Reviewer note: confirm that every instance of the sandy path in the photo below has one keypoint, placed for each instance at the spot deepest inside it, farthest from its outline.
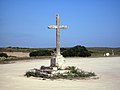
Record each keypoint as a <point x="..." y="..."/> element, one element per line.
<point x="11" y="75"/>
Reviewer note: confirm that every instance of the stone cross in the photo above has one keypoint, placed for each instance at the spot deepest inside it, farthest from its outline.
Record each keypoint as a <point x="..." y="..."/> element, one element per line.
<point x="57" y="27"/>
<point x="58" y="57"/>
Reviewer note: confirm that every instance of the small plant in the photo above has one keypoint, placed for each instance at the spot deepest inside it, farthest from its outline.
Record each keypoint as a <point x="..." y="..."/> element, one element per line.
<point x="29" y="74"/>
<point x="78" y="73"/>
<point x="3" y="55"/>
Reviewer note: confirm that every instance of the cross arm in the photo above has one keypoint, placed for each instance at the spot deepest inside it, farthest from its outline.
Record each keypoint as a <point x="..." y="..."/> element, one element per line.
<point x="63" y="27"/>
<point x="54" y="27"/>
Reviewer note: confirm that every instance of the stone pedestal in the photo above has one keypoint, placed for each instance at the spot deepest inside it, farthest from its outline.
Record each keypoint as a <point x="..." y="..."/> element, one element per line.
<point x="57" y="60"/>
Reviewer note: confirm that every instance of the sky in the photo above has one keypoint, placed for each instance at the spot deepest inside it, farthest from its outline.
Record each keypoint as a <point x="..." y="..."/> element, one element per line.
<point x="92" y="23"/>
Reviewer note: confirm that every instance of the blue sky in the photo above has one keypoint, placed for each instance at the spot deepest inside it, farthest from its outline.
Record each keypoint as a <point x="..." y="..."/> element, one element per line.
<point x="92" y="23"/>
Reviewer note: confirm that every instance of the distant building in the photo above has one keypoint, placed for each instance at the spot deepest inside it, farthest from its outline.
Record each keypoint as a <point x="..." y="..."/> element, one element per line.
<point x="107" y="54"/>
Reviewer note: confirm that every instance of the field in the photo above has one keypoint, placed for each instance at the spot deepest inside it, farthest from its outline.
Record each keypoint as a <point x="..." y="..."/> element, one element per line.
<point x="107" y="68"/>
<point x="100" y="51"/>
<point x="95" y="51"/>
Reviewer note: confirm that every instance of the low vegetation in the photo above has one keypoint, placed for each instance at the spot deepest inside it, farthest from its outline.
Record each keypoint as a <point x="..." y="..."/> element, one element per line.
<point x="20" y="49"/>
<point x="40" y="53"/>
<point x="77" y="51"/>
<point x="72" y="73"/>
<point x="3" y="55"/>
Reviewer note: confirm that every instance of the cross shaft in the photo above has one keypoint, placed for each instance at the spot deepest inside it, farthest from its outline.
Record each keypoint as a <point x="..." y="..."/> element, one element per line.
<point x="58" y="35"/>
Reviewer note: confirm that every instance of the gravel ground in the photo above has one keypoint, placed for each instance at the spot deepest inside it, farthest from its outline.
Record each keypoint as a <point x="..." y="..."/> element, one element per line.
<point x="107" y="68"/>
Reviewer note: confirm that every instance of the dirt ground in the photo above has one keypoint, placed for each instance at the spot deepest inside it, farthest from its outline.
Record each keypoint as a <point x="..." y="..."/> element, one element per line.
<point x="107" y="68"/>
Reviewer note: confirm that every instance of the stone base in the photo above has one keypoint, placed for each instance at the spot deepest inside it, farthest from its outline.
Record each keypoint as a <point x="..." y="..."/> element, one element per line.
<point x="47" y="72"/>
<point x="57" y="60"/>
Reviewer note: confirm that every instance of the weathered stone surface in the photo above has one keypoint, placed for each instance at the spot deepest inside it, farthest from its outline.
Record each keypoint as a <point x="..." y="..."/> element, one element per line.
<point x="57" y="59"/>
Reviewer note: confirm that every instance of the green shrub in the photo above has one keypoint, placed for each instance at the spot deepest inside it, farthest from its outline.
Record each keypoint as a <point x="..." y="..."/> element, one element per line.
<point x="3" y="55"/>
<point x="41" y="53"/>
<point x="77" y="51"/>
<point x="76" y="72"/>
